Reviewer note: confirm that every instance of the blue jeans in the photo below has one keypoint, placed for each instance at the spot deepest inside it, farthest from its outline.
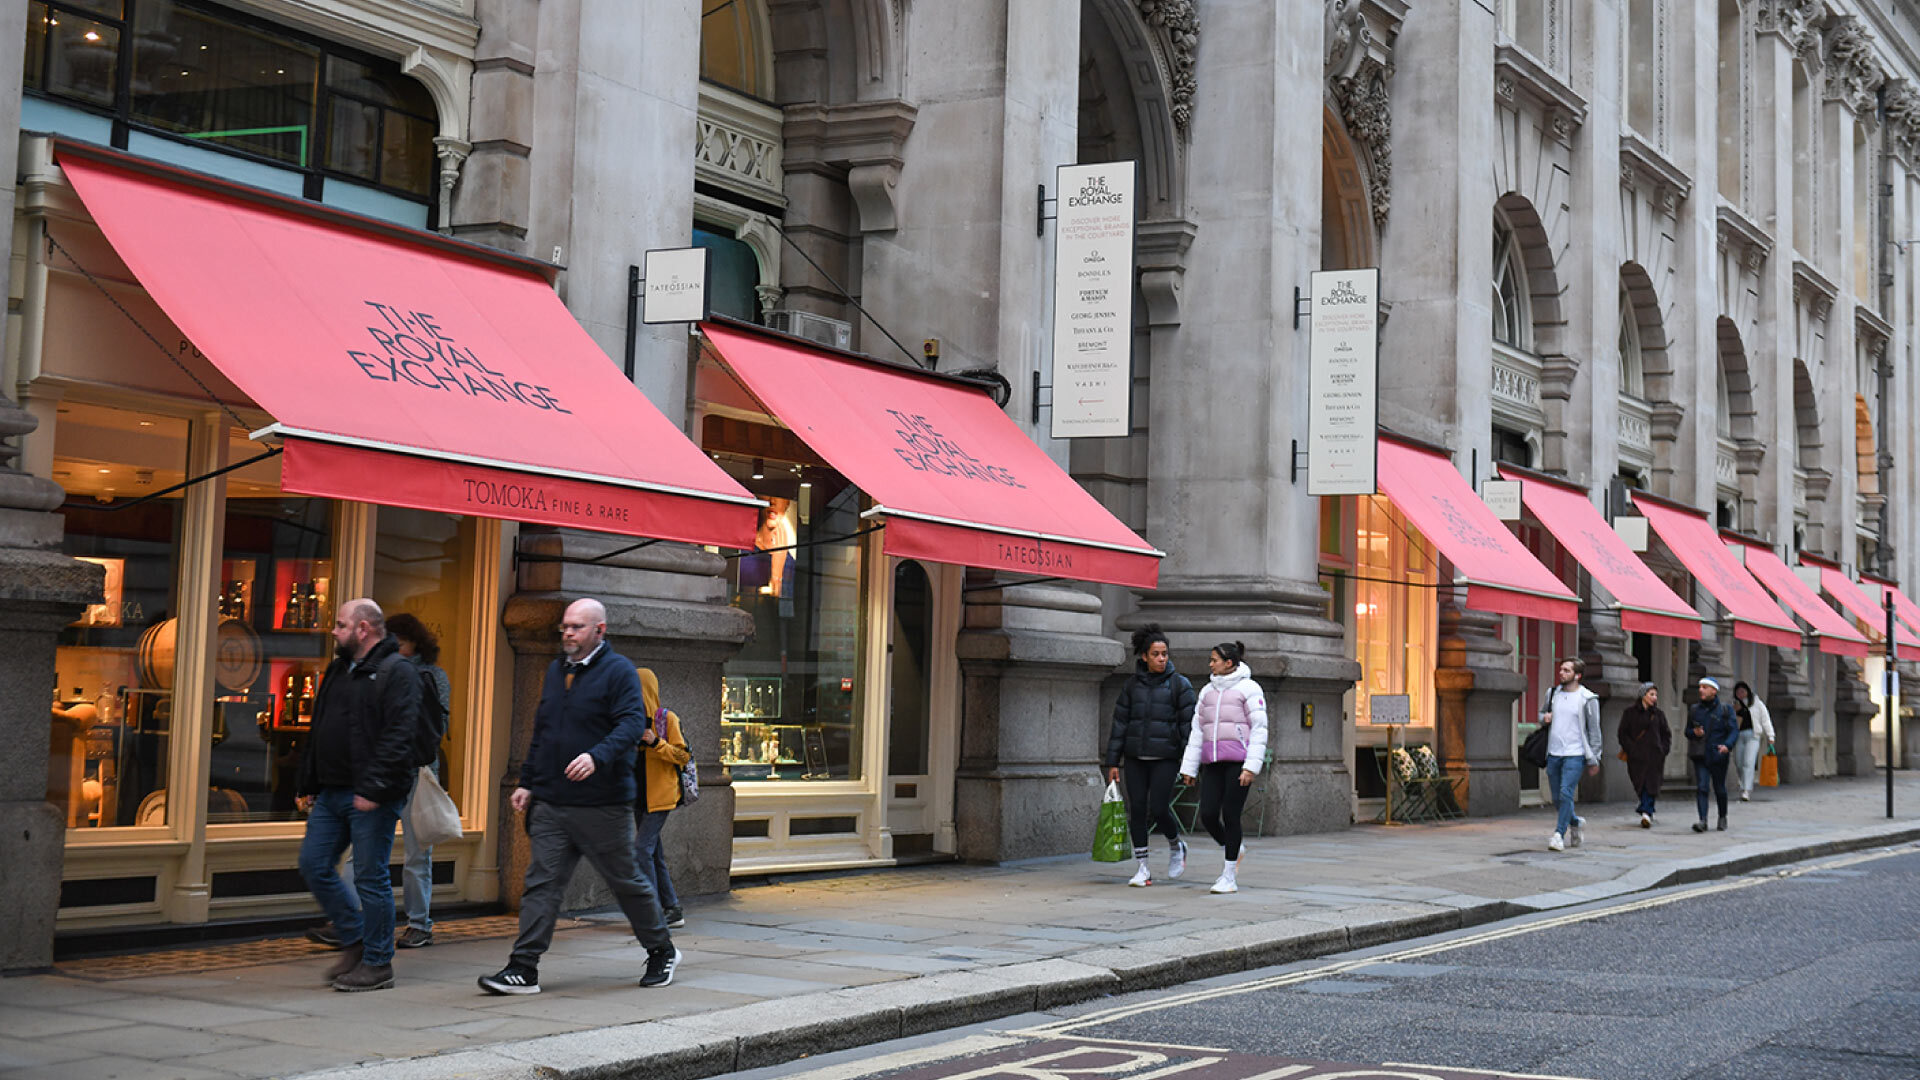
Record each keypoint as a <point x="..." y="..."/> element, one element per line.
<point x="653" y="860"/>
<point x="334" y="826"/>
<point x="416" y="878"/>
<point x="1646" y="802"/>
<point x="1563" y="777"/>
<point x="1711" y="771"/>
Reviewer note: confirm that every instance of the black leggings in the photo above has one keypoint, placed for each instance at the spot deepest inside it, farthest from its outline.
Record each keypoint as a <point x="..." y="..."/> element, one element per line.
<point x="1150" y="798"/>
<point x="1221" y="800"/>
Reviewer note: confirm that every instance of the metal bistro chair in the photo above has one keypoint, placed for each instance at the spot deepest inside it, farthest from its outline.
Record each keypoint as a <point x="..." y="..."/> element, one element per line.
<point x="1421" y="791"/>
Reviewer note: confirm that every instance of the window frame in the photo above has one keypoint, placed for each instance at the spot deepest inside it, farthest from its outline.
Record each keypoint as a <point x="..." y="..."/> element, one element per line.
<point x="1515" y="309"/>
<point x="316" y="172"/>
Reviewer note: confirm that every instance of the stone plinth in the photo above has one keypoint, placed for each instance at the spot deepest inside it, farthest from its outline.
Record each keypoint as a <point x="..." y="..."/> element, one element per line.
<point x="1031" y="662"/>
<point x="1476" y="687"/>
<point x="666" y="609"/>
<point x="1615" y="676"/>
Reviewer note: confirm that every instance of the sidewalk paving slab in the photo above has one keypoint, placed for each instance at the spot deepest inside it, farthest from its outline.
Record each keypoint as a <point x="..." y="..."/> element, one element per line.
<point x="785" y="967"/>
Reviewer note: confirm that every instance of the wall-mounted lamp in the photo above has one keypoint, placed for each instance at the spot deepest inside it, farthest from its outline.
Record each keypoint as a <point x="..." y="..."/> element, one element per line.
<point x="759" y="468"/>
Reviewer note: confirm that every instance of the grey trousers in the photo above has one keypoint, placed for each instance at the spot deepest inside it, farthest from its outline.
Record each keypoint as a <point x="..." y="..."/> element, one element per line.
<point x="559" y="836"/>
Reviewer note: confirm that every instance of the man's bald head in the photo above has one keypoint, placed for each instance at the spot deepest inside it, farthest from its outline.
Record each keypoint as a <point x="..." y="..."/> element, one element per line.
<point x="583" y="627"/>
<point x="358" y="625"/>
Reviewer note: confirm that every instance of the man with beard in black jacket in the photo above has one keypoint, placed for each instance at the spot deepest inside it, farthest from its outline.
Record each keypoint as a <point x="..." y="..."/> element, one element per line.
<point x="353" y="783"/>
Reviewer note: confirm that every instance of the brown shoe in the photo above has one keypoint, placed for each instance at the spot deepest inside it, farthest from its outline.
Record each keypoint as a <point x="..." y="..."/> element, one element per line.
<point x="414" y="938"/>
<point x="349" y="959"/>
<point x="365" y="977"/>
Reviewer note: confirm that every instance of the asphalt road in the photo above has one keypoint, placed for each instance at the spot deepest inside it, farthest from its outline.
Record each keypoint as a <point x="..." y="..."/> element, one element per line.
<point x="1811" y="971"/>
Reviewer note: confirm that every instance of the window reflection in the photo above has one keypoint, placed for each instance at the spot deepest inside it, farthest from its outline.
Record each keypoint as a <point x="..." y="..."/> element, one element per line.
<point x="423" y="565"/>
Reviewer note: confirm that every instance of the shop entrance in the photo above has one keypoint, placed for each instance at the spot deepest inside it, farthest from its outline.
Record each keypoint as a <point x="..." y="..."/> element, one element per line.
<point x="922" y="675"/>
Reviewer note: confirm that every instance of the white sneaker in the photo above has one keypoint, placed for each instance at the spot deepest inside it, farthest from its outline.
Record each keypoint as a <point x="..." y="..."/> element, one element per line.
<point x="1177" y="859"/>
<point x="1556" y="844"/>
<point x="1226" y="883"/>
<point x="1746" y="796"/>
<point x="1141" y="878"/>
<point x="1573" y="833"/>
<point x="1646" y="821"/>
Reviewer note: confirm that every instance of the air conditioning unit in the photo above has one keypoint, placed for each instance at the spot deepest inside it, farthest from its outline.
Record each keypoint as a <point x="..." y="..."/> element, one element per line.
<point x="833" y="333"/>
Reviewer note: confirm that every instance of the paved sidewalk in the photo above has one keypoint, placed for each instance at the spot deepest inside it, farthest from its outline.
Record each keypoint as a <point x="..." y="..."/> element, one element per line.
<point x="774" y="972"/>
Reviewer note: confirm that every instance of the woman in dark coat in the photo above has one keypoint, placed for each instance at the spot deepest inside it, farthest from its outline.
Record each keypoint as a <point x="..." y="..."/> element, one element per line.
<point x="1150" y="726"/>
<point x="1645" y="740"/>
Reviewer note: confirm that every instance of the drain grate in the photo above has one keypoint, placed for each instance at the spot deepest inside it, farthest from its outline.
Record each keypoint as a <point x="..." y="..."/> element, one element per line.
<point x="241" y="954"/>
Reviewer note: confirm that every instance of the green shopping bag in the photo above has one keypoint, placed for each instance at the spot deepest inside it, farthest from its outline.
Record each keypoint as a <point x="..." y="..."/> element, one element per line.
<point x="1110" y="840"/>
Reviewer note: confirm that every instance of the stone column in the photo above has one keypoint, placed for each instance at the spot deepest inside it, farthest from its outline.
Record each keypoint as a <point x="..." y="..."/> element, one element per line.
<point x="666" y="609"/>
<point x="1612" y="673"/>
<point x="1792" y="704"/>
<point x="1853" y="715"/>
<point x="1476" y="686"/>
<point x="1031" y="662"/>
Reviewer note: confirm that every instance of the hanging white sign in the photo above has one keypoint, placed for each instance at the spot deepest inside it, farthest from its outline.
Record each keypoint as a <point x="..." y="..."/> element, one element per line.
<point x="676" y="285"/>
<point x="1343" y="376"/>
<point x="1503" y="498"/>
<point x="1093" y="300"/>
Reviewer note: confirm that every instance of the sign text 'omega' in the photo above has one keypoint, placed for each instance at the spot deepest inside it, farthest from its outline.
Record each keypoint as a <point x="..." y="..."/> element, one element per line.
<point x="1343" y="377"/>
<point x="1093" y="300"/>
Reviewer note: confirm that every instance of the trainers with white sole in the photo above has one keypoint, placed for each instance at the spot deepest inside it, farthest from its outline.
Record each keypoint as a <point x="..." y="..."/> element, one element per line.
<point x="1557" y="843"/>
<point x="1177" y="859"/>
<point x="1573" y="833"/>
<point x="661" y="964"/>
<point x="512" y="979"/>
<point x="1141" y="878"/>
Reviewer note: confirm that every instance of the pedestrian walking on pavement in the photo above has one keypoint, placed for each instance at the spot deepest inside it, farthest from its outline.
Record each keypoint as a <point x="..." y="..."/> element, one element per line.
<point x="577" y="792"/>
<point x="1151" y="722"/>
<point x="1756" y="732"/>
<point x="1573" y="744"/>
<point x="1645" y="741"/>
<point x="361" y="759"/>
<point x="1712" y="731"/>
<point x="422" y="646"/>
<point x="1225" y="750"/>
<point x="663" y="749"/>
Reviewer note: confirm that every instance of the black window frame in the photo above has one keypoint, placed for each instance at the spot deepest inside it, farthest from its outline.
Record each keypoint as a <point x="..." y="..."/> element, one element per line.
<point x="316" y="172"/>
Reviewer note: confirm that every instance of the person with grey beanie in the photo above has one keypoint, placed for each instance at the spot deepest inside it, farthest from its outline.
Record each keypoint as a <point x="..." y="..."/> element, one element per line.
<point x="1645" y="740"/>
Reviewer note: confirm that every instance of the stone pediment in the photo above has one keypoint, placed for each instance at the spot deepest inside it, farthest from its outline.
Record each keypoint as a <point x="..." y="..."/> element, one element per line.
<point x="1522" y="82"/>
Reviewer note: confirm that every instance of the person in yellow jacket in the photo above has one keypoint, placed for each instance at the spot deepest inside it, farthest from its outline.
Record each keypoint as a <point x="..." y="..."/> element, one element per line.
<point x="663" y="749"/>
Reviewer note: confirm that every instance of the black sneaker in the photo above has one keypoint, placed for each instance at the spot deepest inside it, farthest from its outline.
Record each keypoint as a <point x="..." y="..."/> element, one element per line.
<point x="512" y="979"/>
<point x="1722" y="827"/>
<point x="660" y="966"/>
<point x="1700" y="826"/>
<point x="414" y="938"/>
<point x="324" y="934"/>
<point x="675" y="918"/>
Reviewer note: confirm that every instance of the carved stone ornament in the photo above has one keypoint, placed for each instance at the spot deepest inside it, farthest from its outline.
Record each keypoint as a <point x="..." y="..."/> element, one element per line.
<point x="1903" y="118"/>
<point x="1755" y="259"/>
<point x="1348" y="38"/>
<point x="1366" y="109"/>
<point x="1853" y="73"/>
<point x="1796" y="21"/>
<point x="1178" y="28"/>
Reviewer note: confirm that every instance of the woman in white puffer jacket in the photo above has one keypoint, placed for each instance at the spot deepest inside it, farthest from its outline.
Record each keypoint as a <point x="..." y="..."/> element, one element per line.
<point x="1225" y="751"/>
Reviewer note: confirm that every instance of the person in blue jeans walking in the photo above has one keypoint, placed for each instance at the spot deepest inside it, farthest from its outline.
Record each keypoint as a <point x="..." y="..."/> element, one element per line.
<point x="1645" y="740"/>
<point x="1573" y="744"/>
<point x="422" y="647"/>
<point x="663" y="750"/>
<point x="1712" y="731"/>
<point x="353" y="784"/>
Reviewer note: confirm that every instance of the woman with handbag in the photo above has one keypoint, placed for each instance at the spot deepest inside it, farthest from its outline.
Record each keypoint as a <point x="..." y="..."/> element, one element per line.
<point x="1756" y="734"/>
<point x="1645" y="741"/>
<point x="420" y="645"/>
<point x="663" y="751"/>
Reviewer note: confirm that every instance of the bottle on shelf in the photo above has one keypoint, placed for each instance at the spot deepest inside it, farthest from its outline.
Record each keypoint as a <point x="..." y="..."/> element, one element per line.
<point x="290" y="700"/>
<point x="306" y="700"/>
<point x="313" y="605"/>
<point x="291" y="620"/>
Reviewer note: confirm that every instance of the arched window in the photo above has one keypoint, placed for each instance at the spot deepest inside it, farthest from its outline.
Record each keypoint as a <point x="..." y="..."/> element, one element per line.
<point x="733" y="46"/>
<point x="1723" y="403"/>
<point x="1511" y="326"/>
<point x="1632" y="370"/>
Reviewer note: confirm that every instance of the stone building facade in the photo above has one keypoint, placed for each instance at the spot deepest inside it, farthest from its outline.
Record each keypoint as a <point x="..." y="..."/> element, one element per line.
<point x="1633" y="244"/>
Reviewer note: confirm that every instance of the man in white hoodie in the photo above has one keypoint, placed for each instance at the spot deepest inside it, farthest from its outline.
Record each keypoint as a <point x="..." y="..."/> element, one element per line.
<point x="1573" y="742"/>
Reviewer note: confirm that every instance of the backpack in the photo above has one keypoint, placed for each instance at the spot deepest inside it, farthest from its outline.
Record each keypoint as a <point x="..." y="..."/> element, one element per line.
<point x="689" y="773"/>
<point x="432" y="723"/>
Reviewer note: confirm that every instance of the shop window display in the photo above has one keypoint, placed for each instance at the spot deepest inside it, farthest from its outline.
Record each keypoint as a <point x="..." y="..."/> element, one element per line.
<point x="1395" y="570"/>
<point x="789" y="699"/>
<point x="423" y="564"/>
<point x="273" y="641"/>
<point x="113" y="708"/>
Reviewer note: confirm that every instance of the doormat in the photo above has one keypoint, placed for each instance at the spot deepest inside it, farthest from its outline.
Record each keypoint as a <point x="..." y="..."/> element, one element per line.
<point x="242" y="954"/>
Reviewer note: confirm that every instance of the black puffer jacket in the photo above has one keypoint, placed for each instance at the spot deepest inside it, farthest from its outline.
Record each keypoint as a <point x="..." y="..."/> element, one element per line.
<point x="377" y="703"/>
<point x="1152" y="717"/>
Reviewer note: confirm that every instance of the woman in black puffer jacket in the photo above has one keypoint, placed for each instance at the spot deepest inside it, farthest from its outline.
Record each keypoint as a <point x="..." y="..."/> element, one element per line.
<point x="1150" y="725"/>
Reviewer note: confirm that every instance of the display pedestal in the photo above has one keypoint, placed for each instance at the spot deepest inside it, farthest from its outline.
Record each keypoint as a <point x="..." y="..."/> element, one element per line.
<point x="667" y="610"/>
<point x="1031" y="660"/>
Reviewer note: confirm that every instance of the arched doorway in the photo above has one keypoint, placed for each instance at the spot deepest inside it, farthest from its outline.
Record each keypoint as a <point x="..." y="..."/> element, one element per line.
<point x="1347" y="239"/>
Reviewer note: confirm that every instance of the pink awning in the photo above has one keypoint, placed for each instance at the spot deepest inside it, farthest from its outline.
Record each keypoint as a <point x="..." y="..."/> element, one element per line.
<point x="1696" y="543"/>
<point x="1645" y="603"/>
<point x="1501" y="575"/>
<point x="1906" y="610"/>
<point x="1831" y="632"/>
<point x="404" y="368"/>
<point x="1857" y="603"/>
<point x="955" y="480"/>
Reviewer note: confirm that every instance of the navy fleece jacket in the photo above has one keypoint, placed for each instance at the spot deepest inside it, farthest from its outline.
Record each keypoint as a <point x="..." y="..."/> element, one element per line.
<point x="602" y="714"/>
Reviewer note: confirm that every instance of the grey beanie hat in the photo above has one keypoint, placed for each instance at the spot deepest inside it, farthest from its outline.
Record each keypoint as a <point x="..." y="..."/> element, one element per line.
<point x="1644" y="687"/>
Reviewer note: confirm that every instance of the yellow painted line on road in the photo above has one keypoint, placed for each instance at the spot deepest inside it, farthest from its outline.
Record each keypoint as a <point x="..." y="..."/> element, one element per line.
<point x="1294" y="978"/>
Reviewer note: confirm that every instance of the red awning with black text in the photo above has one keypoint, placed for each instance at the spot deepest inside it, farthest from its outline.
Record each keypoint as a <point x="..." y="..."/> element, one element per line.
<point x="1645" y="603"/>
<point x="1855" y="602"/>
<point x="1831" y="632"/>
<point x="1501" y="575"/>
<point x="405" y="369"/>
<point x="1696" y="543"/>
<point x="955" y="480"/>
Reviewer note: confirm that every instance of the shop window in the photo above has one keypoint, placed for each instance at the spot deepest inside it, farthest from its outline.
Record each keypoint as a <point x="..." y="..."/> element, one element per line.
<point x="736" y="274"/>
<point x="213" y="77"/>
<point x="424" y="565"/>
<point x="909" y="696"/>
<point x="790" y="700"/>
<point x="113" y="708"/>
<point x="1394" y="609"/>
<point x="1512" y="448"/>
<point x="274" y="640"/>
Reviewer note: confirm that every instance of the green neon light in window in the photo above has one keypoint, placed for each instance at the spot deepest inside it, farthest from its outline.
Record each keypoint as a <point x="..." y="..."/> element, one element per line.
<point x="235" y="133"/>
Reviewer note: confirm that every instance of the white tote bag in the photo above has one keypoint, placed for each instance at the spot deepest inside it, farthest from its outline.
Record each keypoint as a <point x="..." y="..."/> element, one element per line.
<point x="432" y="816"/>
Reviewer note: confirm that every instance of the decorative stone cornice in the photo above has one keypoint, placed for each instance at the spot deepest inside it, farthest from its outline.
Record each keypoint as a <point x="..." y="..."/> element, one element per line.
<point x="453" y="154"/>
<point x="1642" y="167"/>
<point x="1520" y="80"/>
<point x="867" y="141"/>
<point x="1812" y="288"/>
<point x="1903" y="120"/>
<point x="1872" y="331"/>
<point x="1161" y="253"/>
<point x="1176" y="29"/>
<point x="1796" y="22"/>
<point x="1359" y="68"/>
<point x="1853" y="73"/>
<point x="1737" y="230"/>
